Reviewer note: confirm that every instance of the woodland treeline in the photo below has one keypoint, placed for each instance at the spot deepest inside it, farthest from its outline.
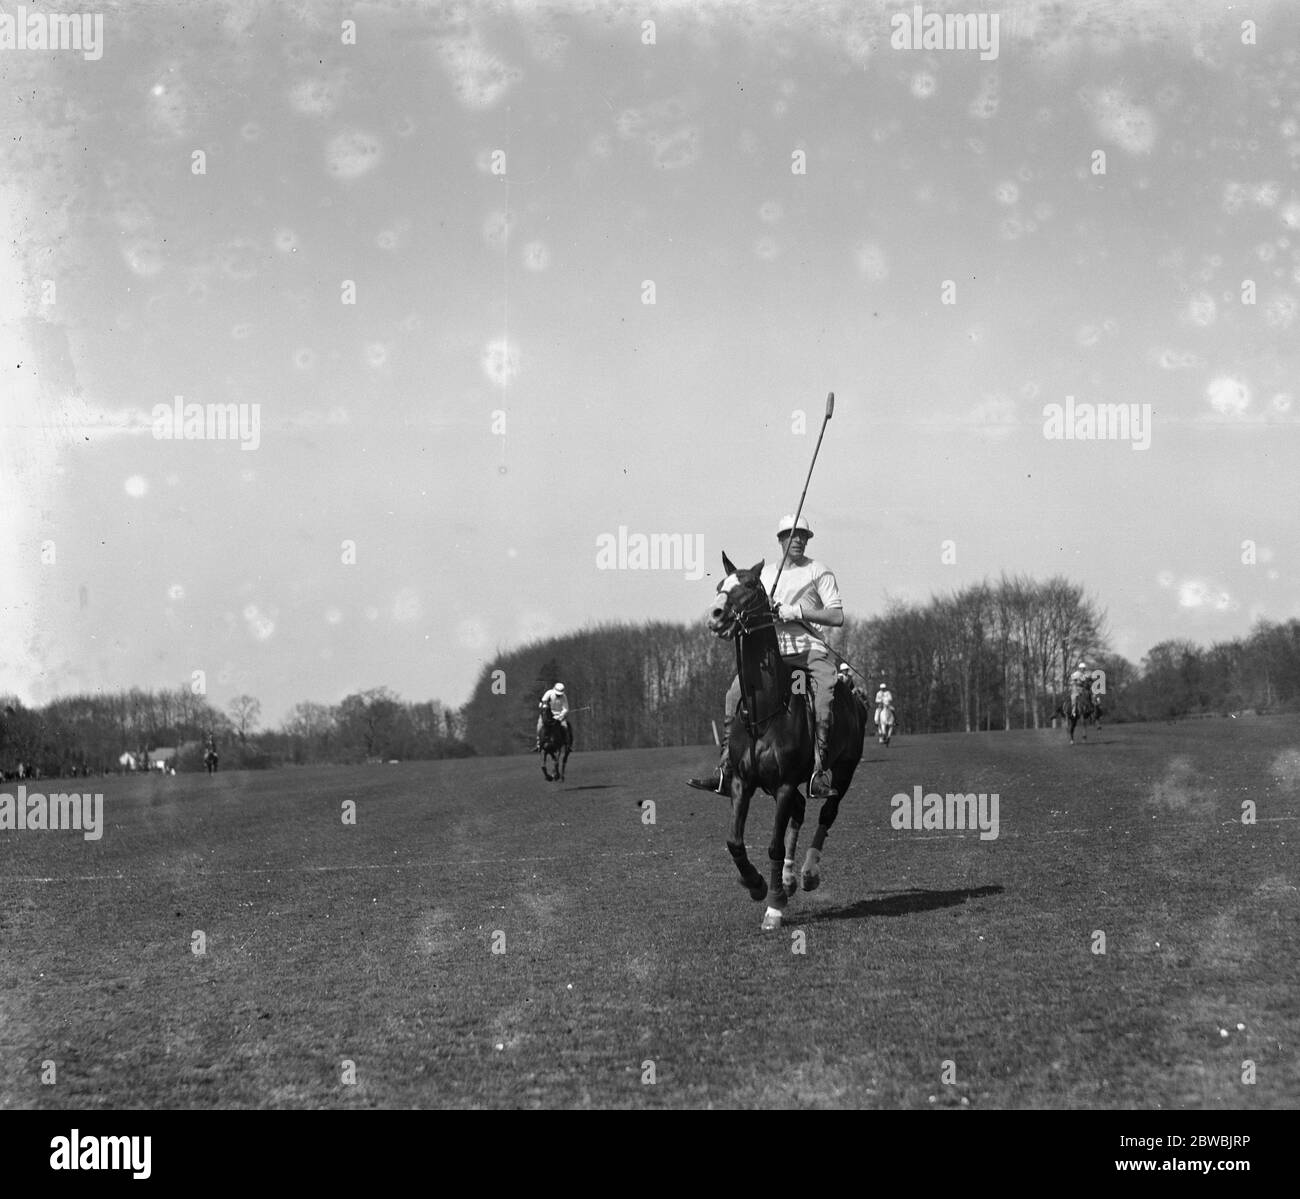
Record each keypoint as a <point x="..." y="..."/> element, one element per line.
<point x="994" y="655"/>
<point x="989" y="656"/>
<point x="88" y="734"/>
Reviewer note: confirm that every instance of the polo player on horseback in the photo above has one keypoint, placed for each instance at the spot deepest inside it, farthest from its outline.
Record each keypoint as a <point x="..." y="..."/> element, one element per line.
<point x="884" y="701"/>
<point x="844" y="674"/>
<point x="807" y="594"/>
<point x="1080" y="683"/>
<point x="558" y="702"/>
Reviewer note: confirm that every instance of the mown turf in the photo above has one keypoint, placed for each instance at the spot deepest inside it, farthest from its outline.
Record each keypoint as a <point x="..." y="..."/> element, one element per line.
<point x="628" y="943"/>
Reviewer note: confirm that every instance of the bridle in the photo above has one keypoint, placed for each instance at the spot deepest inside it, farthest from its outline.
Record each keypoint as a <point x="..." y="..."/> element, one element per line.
<point x="746" y="623"/>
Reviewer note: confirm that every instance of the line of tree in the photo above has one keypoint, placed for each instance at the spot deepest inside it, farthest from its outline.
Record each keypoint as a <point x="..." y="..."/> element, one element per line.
<point x="652" y="684"/>
<point x="1259" y="673"/>
<point x="369" y="726"/>
<point x="993" y="655"/>
<point x="88" y="734"/>
<point x="988" y="656"/>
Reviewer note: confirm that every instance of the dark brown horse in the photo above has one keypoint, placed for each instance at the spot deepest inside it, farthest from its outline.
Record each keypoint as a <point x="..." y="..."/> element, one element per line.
<point x="770" y="741"/>
<point x="1080" y="706"/>
<point x="557" y="743"/>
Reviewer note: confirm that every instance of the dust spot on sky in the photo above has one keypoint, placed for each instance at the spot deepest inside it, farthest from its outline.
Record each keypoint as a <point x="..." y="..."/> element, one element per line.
<point x="352" y="154"/>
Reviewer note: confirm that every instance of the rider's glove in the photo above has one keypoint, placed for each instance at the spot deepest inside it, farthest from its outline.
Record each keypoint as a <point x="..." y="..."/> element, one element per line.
<point x="789" y="612"/>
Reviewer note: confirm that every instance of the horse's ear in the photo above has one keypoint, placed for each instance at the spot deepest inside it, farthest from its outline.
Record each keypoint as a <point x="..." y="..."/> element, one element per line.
<point x="758" y="570"/>
<point x="727" y="564"/>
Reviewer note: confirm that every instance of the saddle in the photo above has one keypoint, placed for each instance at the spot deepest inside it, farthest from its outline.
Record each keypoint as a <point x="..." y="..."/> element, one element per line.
<point x="844" y="694"/>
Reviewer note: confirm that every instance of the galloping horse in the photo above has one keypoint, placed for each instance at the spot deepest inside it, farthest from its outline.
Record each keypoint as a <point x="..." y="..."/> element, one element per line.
<point x="210" y="759"/>
<point x="1077" y="707"/>
<point x="885" y="725"/>
<point x="770" y="742"/>
<point x="556" y="744"/>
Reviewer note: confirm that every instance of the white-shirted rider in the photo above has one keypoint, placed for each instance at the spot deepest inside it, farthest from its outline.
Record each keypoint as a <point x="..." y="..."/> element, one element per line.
<point x="558" y="702"/>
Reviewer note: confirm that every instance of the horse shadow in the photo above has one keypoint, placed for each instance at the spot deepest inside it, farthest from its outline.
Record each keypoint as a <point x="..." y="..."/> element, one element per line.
<point x="897" y="903"/>
<point x="593" y="787"/>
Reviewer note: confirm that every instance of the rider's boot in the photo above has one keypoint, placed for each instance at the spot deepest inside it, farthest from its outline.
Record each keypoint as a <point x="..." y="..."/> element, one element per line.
<point x="719" y="782"/>
<point x="822" y="786"/>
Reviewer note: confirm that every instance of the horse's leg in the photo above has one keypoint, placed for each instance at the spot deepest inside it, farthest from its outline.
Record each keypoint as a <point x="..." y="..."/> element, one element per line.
<point x="778" y="894"/>
<point x="789" y="879"/>
<point x="741" y="793"/>
<point x="812" y="863"/>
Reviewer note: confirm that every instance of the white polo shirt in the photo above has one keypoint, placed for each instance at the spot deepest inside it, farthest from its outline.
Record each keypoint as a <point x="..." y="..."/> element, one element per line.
<point x="812" y="585"/>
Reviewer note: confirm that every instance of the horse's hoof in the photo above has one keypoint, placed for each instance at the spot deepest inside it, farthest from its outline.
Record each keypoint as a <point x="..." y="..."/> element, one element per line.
<point x="771" y="919"/>
<point x="811" y="880"/>
<point x="757" y="891"/>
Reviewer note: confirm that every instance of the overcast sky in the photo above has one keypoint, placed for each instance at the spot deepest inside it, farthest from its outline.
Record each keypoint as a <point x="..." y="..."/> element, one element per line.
<point x="501" y="185"/>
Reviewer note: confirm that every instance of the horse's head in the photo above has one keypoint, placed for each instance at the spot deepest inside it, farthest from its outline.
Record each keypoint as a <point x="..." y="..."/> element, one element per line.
<point x="741" y="604"/>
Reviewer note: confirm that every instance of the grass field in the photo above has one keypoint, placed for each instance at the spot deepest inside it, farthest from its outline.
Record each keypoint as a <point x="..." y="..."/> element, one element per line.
<point x="628" y="943"/>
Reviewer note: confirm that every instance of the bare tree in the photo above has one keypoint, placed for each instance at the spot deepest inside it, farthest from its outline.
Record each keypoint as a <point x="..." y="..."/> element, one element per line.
<point x="244" y="712"/>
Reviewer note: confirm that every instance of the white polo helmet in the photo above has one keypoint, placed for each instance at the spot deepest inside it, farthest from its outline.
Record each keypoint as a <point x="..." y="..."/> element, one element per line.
<point x="559" y="687"/>
<point x="787" y="525"/>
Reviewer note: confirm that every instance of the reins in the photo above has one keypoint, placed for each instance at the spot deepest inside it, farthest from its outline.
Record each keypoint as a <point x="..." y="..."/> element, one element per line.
<point x="747" y="627"/>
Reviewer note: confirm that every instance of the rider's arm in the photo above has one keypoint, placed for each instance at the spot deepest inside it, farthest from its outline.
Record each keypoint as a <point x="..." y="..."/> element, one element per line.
<point x="831" y="612"/>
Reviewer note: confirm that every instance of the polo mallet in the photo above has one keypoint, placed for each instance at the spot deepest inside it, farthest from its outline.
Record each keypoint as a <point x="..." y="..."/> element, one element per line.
<point x="830" y="411"/>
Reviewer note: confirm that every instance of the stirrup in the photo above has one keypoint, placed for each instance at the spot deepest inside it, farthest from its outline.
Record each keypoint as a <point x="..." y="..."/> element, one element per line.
<point x="822" y="785"/>
<point x="721" y="785"/>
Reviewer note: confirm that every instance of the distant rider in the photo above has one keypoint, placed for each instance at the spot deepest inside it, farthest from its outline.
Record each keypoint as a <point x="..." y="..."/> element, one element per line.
<point x="884" y="700"/>
<point x="844" y="674"/>
<point x="1080" y="683"/>
<point x="558" y="702"/>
